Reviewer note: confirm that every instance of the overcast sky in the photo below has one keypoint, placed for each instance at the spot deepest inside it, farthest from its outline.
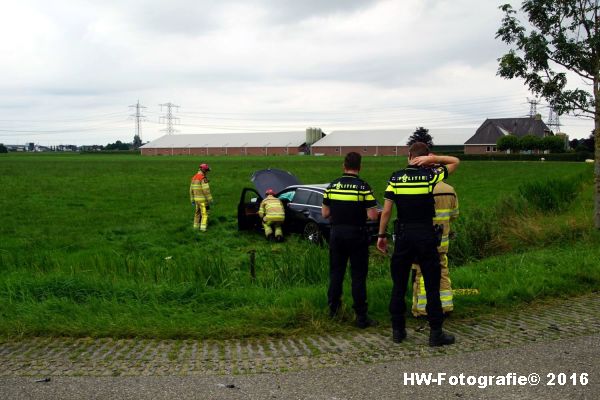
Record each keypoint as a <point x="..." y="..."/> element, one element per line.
<point x="70" y="69"/>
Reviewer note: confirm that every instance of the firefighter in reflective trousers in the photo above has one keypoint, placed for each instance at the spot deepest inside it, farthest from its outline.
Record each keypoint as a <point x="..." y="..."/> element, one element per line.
<point x="411" y="190"/>
<point x="272" y="215"/>
<point x="201" y="197"/>
<point x="348" y="202"/>
<point x="446" y="211"/>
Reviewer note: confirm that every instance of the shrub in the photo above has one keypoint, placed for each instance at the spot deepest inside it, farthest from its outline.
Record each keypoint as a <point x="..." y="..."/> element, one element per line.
<point x="486" y="232"/>
<point x="530" y="142"/>
<point x="573" y="156"/>
<point x="474" y="236"/>
<point x="508" y="142"/>
<point x="556" y="144"/>
<point x="552" y="194"/>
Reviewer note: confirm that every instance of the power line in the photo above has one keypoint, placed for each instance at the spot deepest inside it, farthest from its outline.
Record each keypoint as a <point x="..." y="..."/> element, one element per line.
<point x="138" y="119"/>
<point x="168" y="118"/>
<point x="532" y="107"/>
<point x="553" y="120"/>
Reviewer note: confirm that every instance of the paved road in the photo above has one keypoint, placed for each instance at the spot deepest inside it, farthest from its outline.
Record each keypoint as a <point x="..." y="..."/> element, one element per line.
<point x="376" y="381"/>
<point x="560" y="337"/>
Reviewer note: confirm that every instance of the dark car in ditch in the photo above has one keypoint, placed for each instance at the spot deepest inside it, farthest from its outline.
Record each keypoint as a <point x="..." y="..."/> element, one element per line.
<point x="302" y="203"/>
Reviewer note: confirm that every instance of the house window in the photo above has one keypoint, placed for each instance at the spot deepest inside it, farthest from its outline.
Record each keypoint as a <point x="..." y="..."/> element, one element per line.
<point x="337" y="149"/>
<point x="494" y="149"/>
<point x="488" y="149"/>
<point x="364" y="149"/>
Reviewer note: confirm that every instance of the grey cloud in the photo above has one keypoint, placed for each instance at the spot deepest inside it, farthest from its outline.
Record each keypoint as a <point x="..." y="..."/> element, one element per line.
<point x="170" y="17"/>
<point x="179" y="16"/>
<point x="284" y="11"/>
<point x="199" y="17"/>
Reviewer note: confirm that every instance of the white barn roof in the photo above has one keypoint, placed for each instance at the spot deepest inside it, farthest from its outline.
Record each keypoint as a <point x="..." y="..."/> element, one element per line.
<point x="394" y="137"/>
<point x="261" y="139"/>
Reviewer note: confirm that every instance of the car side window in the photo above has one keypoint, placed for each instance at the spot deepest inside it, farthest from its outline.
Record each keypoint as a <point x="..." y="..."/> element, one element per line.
<point x="301" y="196"/>
<point x="250" y="196"/>
<point x="315" y="199"/>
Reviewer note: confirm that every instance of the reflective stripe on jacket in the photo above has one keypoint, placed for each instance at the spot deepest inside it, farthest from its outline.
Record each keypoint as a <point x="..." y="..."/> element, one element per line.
<point x="271" y="209"/>
<point x="199" y="189"/>
<point x="446" y="210"/>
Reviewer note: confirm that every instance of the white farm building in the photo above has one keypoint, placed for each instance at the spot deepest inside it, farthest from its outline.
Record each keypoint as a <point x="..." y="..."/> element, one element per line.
<point x="234" y="144"/>
<point x="368" y="142"/>
<point x="384" y="142"/>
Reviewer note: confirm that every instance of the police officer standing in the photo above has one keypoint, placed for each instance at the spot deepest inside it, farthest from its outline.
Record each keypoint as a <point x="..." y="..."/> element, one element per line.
<point x="411" y="189"/>
<point x="348" y="202"/>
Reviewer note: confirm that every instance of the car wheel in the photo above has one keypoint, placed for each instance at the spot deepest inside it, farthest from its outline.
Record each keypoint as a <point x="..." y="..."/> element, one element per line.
<point x="313" y="233"/>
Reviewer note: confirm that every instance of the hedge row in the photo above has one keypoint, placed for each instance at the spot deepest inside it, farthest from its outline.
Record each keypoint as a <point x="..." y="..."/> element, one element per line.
<point x="579" y="156"/>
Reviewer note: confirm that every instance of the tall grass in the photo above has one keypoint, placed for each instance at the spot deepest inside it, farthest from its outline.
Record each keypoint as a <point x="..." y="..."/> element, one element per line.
<point x="517" y="220"/>
<point x="103" y="245"/>
<point x="554" y="194"/>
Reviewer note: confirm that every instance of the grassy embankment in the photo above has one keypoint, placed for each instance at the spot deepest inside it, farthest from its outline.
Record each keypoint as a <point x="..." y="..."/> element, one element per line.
<point x="102" y="245"/>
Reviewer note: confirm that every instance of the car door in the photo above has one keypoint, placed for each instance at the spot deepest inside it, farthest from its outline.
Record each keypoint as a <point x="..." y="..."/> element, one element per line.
<point x="298" y="210"/>
<point x="248" y="210"/>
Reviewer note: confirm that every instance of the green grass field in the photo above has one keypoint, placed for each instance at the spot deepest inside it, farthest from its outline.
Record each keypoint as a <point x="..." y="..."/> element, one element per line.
<point x="102" y="245"/>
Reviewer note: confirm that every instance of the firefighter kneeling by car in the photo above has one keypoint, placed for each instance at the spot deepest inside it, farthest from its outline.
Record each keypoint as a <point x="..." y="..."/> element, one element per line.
<point x="272" y="214"/>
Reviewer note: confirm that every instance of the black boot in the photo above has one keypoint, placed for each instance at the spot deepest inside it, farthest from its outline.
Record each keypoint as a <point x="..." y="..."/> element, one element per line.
<point x="363" y="321"/>
<point x="398" y="335"/>
<point x="437" y="337"/>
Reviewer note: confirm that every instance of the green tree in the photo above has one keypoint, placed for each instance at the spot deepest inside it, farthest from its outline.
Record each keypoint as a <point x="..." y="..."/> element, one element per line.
<point x="137" y="142"/>
<point x="573" y="143"/>
<point x="555" y="144"/>
<point x="586" y="144"/>
<point x="118" y="145"/>
<point x="563" y="37"/>
<point x="530" y="142"/>
<point x="421" y="135"/>
<point x="508" y="142"/>
<point x="3" y="148"/>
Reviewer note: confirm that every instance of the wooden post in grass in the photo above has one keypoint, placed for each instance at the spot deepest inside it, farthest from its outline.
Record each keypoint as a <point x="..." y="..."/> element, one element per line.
<point x="252" y="264"/>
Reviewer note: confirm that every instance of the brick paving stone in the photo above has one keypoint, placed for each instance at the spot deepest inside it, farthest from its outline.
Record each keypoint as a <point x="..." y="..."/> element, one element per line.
<point x="46" y="356"/>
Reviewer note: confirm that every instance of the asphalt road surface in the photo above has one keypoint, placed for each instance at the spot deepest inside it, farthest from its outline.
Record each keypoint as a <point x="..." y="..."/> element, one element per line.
<point x="575" y="363"/>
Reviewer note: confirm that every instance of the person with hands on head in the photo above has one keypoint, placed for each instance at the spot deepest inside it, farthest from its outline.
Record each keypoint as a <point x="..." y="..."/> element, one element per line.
<point x="411" y="190"/>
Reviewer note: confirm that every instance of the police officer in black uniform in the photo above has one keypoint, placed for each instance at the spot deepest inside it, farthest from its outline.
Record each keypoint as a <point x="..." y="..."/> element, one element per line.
<point x="411" y="189"/>
<point x="348" y="202"/>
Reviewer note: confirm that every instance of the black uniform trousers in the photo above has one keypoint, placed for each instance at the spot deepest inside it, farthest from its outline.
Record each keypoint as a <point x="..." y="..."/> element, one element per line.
<point x="348" y="242"/>
<point x="415" y="243"/>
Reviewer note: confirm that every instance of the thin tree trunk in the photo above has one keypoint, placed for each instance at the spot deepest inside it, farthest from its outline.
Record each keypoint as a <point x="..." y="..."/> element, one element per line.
<point x="597" y="150"/>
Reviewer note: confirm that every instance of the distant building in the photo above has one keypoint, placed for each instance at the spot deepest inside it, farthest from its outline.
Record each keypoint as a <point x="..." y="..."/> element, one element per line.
<point x="485" y="138"/>
<point x="385" y="142"/>
<point x="234" y="144"/>
<point x="16" y="147"/>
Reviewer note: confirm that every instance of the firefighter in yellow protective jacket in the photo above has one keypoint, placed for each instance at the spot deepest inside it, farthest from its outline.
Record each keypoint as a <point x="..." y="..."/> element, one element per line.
<point x="446" y="210"/>
<point x="201" y="197"/>
<point x="272" y="215"/>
